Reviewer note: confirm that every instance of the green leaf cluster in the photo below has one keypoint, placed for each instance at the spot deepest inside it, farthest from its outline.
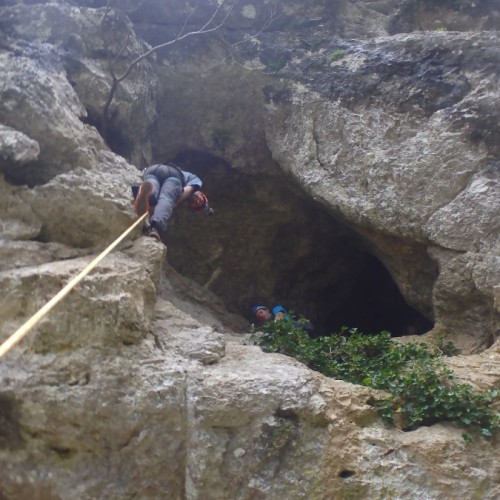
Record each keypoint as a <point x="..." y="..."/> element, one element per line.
<point x="337" y="55"/>
<point x="422" y="389"/>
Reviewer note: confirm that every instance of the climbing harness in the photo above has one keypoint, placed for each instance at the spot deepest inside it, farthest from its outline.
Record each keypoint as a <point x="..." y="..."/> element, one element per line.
<point x="26" y="327"/>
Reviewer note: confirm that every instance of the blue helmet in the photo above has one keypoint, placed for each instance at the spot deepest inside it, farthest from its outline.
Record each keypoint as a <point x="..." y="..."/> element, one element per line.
<point x="277" y="309"/>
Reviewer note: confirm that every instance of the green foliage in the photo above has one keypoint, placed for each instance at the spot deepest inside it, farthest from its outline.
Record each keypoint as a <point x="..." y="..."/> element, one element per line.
<point x="422" y="389"/>
<point x="274" y="66"/>
<point x="337" y="55"/>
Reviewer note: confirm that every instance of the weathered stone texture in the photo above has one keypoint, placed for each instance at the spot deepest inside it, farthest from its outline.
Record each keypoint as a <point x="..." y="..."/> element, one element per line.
<point x="340" y="131"/>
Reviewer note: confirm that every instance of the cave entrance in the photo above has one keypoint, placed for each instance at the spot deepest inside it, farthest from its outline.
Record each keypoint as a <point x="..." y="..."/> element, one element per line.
<point x="267" y="243"/>
<point x="376" y="304"/>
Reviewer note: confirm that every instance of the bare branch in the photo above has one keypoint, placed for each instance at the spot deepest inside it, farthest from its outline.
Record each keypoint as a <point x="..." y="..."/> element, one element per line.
<point x="215" y="14"/>
<point x="272" y="17"/>
<point x="188" y="18"/>
<point x="105" y="42"/>
<point x="206" y="28"/>
<point x="120" y="52"/>
<point x="201" y="31"/>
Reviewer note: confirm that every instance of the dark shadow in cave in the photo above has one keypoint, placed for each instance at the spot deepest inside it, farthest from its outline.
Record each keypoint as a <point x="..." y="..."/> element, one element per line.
<point x="114" y="136"/>
<point x="268" y="243"/>
<point x="375" y="304"/>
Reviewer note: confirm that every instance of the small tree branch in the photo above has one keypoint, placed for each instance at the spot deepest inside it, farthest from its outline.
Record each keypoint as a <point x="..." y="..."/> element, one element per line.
<point x="112" y="62"/>
<point x="188" y="18"/>
<point x="272" y="17"/>
<point x="203" y="30"/>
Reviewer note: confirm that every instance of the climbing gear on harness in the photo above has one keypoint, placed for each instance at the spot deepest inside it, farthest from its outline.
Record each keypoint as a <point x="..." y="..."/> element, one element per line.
<point x="24" y="329"/>
<point x="141" y="202"/>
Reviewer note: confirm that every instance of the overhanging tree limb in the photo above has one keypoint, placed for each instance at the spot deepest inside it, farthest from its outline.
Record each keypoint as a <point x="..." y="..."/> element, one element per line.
<point x="117" y="79"/>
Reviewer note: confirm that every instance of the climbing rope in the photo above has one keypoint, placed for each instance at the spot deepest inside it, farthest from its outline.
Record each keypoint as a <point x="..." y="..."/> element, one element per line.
<point x="26" y="327"/>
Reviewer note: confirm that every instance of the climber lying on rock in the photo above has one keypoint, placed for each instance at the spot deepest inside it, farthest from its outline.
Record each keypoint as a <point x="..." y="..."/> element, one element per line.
<point x="165" y="187"/>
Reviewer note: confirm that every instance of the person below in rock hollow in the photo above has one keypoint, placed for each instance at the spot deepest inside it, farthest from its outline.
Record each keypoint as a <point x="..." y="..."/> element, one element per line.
<point x="165" y="187"/>
<point x="263" y="314"/>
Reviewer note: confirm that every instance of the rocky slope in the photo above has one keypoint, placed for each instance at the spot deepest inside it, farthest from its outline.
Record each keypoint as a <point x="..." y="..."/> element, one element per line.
<point x="338" y="135"/>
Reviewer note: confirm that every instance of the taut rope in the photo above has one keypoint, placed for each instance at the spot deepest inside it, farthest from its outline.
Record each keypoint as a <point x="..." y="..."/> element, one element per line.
<point x="26" y="327"/>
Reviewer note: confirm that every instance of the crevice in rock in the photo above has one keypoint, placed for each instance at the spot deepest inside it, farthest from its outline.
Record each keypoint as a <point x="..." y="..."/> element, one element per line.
<point x="26" y="174"/>
<point x="159" y="344"/>
<point x="269" y="243"/>
<point x="345" y="474"/>
<point x="63" y="453"/>
<point x="286" y="415"/>
<point x="10" y="434"/>
<point x="115" y="137"/>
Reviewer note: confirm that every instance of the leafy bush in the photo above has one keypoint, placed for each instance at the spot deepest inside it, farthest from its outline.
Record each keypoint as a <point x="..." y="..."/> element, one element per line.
<point x="337" y="55"/>
<point x="422" y="389"/>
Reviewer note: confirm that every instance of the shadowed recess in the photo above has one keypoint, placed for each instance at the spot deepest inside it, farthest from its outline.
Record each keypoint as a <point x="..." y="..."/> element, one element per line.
<point x="268" y="243"/>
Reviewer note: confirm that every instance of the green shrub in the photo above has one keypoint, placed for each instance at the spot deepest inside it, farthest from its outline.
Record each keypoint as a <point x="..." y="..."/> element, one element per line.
<point x="422" y="389"/>
<point x="274" y="66"/>
<point x="337" y="55"/>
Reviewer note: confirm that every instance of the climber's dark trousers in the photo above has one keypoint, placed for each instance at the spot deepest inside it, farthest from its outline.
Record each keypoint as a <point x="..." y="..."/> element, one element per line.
<point x="167" y="189"/>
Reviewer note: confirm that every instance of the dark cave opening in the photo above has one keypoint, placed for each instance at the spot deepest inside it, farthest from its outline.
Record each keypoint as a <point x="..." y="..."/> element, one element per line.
<point x="268" y="243"/>
<point x="376" y="304"/>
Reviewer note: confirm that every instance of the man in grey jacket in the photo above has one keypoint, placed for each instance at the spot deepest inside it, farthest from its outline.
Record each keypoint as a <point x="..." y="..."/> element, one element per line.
<point x="165" y="187"/>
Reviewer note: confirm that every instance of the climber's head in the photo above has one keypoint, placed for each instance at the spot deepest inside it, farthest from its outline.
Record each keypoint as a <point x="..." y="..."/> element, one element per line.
<point x="261" y="313"/>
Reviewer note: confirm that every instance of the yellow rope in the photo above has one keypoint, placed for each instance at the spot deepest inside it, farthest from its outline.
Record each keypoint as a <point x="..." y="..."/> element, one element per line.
<point x="26" y="327"/>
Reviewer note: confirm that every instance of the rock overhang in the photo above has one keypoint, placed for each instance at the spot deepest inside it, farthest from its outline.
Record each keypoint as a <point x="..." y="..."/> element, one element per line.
<point x="152" y="388"/>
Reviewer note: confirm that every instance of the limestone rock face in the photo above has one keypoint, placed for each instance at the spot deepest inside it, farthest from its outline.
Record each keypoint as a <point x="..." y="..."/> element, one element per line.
<point x="60" y="50"/>
<point x="382" y="139"/>
<point x="35" y="92"/>
<point x="343" y="134"/>
<point x="16" y="148"/>
<point x="406" y="171"/>
<point x="189" y="410"/>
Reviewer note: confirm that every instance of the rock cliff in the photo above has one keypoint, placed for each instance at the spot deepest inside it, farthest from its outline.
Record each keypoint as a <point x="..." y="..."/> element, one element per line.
<point x="351" y="152"/>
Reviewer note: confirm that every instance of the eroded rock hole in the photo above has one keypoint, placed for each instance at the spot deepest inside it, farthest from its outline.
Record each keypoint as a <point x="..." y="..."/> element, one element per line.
<point x="268" y="243"/>
<point x="345" y="474"/>
<point x="10" y="435"/>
